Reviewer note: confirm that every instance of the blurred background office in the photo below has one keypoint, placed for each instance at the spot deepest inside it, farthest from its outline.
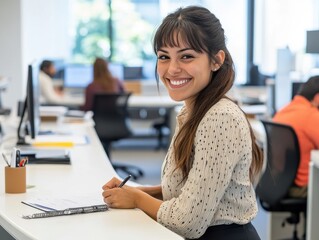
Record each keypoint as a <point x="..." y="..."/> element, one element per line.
<point x="270" y="34"/>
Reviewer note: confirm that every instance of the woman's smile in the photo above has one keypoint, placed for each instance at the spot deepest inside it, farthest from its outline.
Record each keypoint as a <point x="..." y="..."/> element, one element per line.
<point x="178" y="83"/>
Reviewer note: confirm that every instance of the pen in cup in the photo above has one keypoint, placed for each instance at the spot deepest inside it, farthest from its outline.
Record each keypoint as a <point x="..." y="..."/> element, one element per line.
<point x="5" y="159"/>
<point x="124" y="181"/>
<point x="23" y="162"/>
<point x="15" y="158"/>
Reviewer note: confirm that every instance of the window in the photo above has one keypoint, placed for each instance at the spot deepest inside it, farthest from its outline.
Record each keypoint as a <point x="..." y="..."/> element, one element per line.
<point x="283" y="24"/>
<point x="129" y="40"/>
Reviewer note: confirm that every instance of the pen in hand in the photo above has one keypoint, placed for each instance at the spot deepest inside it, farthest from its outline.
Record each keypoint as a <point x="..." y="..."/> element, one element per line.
<point x="124" y="181"/>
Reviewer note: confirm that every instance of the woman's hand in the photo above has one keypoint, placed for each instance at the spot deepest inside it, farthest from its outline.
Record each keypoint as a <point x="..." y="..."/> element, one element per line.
<point x="115" y="197"/>
<point x="131" y="197"/>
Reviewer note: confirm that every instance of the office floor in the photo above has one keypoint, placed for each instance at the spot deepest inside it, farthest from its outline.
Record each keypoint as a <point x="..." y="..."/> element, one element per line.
<point x="144" y="155"/>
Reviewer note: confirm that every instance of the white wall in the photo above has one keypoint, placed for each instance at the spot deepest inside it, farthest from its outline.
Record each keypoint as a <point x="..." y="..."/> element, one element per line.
<point x="45" y="29"/>
<point x="30" y="29"/>
<point x="11" y="49"/>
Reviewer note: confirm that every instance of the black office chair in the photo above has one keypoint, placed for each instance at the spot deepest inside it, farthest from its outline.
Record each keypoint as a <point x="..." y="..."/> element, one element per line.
<point x="162" y="127"/>
<point x="283" y="158"/>
<point x="111" y="124"/>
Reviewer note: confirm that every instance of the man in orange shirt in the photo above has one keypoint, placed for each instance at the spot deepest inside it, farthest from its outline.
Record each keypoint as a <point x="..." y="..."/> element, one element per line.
<point x="303" y="115"/>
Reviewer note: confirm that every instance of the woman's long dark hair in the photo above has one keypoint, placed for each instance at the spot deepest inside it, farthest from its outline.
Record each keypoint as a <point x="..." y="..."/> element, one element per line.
<point x="198" y="28"/>
<point x="102" y="74"/>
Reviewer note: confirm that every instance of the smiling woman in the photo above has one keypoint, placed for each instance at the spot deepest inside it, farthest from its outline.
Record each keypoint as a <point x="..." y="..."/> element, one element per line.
<point x="207" y="176"/>
<point x="184" y="71"/>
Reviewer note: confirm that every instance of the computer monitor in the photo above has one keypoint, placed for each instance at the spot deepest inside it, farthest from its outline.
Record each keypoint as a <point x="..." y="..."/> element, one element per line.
<point x="77" y="75"/>
<point x="81" y="75"/>
<point x="59" y="64"/>
<point x="312" y="45"/>
<point x="30" y="117"/>
<point x="117" y="70"/>
<point x="295" y="88"/>
<point x="133" y="73"/>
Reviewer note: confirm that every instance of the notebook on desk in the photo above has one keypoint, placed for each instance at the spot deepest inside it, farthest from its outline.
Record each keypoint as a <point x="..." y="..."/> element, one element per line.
<point x="46" y="156"/>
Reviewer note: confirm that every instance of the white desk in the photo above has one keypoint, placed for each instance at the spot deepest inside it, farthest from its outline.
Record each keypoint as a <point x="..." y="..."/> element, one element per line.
<point x="89" y="170"/>
<point x="313" y="197"/>
<point x="152" y="101"/>
<point x="254" y="109"/>
<point x="134" y="101"/>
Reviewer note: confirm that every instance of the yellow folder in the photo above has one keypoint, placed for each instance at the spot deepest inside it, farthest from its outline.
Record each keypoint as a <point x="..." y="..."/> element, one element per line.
<point x="53" y="144"/>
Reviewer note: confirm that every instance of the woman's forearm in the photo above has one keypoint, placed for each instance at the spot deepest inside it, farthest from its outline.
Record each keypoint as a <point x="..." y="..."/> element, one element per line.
<point x="148" y="204"/>
<point x="154" y="191"/>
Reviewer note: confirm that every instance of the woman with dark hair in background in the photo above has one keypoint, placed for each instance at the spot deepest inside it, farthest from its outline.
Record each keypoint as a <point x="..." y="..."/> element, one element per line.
<point x="49" y="93"/>
<point x="103" y="82"/>
<point x="206" y="189"/>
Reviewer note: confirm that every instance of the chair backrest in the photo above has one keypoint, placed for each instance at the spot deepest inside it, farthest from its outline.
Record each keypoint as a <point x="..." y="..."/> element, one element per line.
<point x="111" y="116"/>
<point x="283" y="156"/>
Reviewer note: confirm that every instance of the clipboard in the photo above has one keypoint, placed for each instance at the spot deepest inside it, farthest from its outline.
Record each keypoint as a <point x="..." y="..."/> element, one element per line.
<point x="68" y="211"/>
<point x="63" y="206"/>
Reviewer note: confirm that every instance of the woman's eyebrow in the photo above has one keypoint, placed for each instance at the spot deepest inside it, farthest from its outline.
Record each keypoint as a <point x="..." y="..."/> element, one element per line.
<point x="162" y="50"/>
<point x="181" y="50"/>
<point x="184" y="49"/>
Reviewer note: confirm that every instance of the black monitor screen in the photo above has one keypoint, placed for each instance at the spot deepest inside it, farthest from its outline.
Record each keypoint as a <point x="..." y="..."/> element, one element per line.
<point x="33" y="100"/>
<point x="30" y="117"/>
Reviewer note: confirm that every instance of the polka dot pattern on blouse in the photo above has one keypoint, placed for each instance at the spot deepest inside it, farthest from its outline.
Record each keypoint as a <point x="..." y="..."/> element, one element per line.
<point x="217" y="189"/>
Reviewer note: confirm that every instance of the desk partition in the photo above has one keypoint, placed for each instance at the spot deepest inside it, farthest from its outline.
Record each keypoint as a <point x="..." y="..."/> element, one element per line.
<point x="89" y="170"/>
<point x="313" y="197"/>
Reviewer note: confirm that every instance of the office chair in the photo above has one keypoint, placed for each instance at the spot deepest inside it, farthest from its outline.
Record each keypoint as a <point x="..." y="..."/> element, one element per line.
<point x="111" y="124"/>
<point x="283" y="156"/>
<point x="162" y="126"/>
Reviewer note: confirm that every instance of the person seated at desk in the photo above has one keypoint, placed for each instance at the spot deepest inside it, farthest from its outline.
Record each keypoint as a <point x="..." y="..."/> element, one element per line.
<point x="303" y="115"/>
<point x="103" y="82"/>
<point x="49" y="93"/>
<point x="207" y="187"/>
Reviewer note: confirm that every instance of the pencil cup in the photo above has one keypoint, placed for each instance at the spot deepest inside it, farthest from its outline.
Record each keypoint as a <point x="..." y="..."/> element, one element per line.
<point x="15" y="180"/>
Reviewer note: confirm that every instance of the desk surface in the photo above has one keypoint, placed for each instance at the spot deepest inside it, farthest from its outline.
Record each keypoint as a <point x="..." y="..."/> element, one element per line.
<point x="89" y="170"/>
<point x="134" y="101"/>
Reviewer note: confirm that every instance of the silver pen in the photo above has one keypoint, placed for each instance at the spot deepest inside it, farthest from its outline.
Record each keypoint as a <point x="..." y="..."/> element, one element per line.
<point x="124" y="181"/>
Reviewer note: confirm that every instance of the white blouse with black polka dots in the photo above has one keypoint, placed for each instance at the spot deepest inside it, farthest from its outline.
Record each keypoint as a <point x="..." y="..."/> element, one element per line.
<point x="217" y="189"/>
